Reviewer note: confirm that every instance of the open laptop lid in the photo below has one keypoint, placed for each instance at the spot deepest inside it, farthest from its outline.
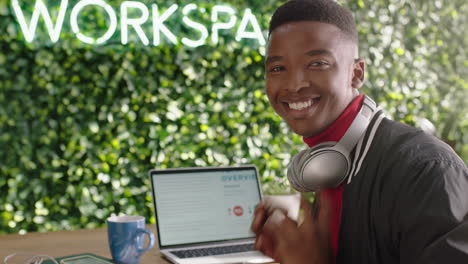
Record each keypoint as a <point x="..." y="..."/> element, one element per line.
<point x="203" y="205"/>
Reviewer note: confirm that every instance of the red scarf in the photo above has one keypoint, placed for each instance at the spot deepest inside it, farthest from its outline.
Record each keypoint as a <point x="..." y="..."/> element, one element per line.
<point x="334" y="133"/>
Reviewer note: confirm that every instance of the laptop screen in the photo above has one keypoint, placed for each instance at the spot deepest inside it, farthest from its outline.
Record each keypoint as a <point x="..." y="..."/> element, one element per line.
<point x="195" y="205"/>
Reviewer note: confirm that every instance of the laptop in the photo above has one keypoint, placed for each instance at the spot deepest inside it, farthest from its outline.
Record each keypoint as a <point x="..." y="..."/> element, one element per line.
<point x="203" y="215"/>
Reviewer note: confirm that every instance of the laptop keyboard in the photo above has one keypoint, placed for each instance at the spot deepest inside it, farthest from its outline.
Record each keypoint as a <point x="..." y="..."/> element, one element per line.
<point x="202" y="252"/>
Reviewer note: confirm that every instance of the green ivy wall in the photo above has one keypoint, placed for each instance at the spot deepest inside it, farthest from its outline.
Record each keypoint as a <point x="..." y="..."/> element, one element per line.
<point x="81" y="125"/>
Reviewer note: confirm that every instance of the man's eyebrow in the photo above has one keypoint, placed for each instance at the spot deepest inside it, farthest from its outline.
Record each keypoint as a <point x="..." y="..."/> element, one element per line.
<point x="319" y="52"/>
<point x="311" y="53"/>
<point x="272" y="59"/>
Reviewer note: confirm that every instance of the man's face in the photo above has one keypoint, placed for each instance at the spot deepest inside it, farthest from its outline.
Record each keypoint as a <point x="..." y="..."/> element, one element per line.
<point x="311" y="75"/>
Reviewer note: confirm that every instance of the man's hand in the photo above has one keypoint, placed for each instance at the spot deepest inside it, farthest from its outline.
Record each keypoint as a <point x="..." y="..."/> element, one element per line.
<point x="288" y="242"/>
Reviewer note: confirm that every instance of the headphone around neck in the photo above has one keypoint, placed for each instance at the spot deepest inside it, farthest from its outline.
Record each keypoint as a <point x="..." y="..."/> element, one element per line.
<point x="328" y="164"/>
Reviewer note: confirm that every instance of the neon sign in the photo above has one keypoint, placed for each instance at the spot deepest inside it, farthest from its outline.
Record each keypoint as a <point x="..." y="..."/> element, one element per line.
<point x="157" y="18"/>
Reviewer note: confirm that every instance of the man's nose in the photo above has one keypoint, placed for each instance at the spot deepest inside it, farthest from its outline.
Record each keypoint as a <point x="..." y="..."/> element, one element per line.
<point x="298" y="81"/>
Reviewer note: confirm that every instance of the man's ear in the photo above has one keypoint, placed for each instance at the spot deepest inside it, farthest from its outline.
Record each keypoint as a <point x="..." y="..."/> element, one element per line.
<point x="359" y="67"/>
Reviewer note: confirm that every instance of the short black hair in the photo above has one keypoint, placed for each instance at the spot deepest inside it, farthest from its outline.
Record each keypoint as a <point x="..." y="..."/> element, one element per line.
<point x="326" y="11"/>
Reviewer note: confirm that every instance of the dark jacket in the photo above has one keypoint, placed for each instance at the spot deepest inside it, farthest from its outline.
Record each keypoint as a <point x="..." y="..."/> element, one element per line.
<point x="407" y="200"/>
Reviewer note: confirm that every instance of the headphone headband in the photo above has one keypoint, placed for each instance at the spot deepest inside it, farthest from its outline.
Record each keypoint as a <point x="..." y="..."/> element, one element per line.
<point x="359" y="125"/>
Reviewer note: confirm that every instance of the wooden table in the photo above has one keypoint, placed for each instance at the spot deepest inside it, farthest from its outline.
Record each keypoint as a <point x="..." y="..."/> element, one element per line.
<point x="65" y="243"/>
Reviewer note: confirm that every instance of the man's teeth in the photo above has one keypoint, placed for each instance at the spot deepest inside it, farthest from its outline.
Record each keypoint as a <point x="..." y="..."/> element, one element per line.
<point x="300" y="105"/>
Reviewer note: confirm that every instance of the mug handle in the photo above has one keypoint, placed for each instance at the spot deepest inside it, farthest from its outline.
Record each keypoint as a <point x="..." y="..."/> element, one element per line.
<point x="144" y="231"/>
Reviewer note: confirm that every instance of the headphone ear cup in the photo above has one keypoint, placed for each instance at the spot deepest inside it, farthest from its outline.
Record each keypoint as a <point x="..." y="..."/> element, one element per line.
<point x="298" y="164"/>
<point x="325" y="169"/>
<point x="295" y="168"/>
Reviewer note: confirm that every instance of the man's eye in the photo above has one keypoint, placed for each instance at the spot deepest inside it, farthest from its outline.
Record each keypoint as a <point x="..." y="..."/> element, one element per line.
<point x="276" y="69"/>
<point x="319" y="63"/>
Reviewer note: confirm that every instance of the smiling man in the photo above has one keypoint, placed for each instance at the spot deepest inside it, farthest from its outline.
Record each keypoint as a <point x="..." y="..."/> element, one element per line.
<point x="307" y="54"/>
<point x="385" y="192"/>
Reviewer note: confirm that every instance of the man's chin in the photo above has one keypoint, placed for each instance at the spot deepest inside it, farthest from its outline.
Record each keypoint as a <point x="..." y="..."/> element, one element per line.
<point x="305" y="132"/>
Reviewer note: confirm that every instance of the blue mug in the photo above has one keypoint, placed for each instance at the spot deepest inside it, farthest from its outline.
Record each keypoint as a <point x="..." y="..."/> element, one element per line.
<point x="126" y="238"/>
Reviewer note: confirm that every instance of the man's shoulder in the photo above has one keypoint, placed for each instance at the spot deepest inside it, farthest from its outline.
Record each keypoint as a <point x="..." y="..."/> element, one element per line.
<point x="412" y="145"/>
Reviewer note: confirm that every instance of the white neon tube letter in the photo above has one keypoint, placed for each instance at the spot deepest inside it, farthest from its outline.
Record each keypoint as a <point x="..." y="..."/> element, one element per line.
<point x="159" y="26"/>
<point x="217" y="26"/>
<point x="134" y="22"/>
<point x="256" y="34"/>
<point x="74" y="21"/>
<point x="40" y="10"/>
<point x="195" y="25"/>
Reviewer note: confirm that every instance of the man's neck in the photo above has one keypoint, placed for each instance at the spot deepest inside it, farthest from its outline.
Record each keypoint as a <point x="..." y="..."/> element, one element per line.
<point x="338" y="128"/>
